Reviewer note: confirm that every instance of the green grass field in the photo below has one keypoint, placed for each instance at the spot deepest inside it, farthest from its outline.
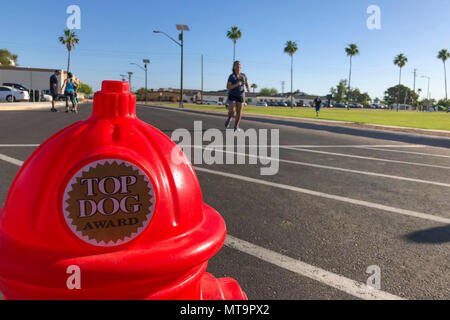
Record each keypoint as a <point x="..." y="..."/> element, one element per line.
<point x="411" y="119"/>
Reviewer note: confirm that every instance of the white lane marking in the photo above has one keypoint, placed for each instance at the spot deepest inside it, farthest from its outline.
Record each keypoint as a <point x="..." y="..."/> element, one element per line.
<point x="363" y="203"/>
<point x="368" y="173"/>
<point x="349" y="286"/>
<point x="358" y="146"/>
<point x="367" y="158"/>
<point x="11" y="160"/>
<point x="410" y="152"/>
<point x="364" y="146"/>
<point x="314" y="146"/>
<point x="405" y="212"/>
<point x="18" y="145"/>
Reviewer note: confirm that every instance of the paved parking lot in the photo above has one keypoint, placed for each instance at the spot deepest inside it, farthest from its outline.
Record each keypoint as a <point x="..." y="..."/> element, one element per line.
<point x="343" y="201"/>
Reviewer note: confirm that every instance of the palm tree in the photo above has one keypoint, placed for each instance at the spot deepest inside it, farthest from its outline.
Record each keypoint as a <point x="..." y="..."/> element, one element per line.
<point x="69" y="40"/>
<point x="254" y="86"/>
<point x="400" y="61"/>
<point x="444" y="55"/>
<point x="234" y="34"/>
<point x="291" y="48"/>
<point x="351" y="50"/>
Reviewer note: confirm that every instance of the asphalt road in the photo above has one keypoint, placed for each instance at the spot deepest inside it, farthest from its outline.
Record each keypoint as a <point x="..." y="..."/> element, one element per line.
<point x="335" y="208"/>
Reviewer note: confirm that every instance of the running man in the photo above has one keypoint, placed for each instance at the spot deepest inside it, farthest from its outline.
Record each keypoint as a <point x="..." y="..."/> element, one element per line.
<point x="317" y="104"/>
<point x="237" y="82"/>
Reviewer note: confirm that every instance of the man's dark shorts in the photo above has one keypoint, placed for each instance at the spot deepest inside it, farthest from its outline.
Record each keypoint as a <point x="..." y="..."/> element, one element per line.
<point x="233" y="98"/>
<point x="54" y="94"/>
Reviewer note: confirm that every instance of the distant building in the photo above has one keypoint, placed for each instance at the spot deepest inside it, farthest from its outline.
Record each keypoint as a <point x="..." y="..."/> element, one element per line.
<point x="193" y="96"/>
<point x="32" y="78"/>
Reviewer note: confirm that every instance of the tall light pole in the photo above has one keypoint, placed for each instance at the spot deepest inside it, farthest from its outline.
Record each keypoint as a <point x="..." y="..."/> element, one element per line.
<point x="129" y="79"/>
<point x="415" y="75"/>
<point x="202" y="79"/>
<point x="180" y="27"/>
<point x="146" y="62"/>
<point x="429" y="79"/>
<point x="428" y="93"/>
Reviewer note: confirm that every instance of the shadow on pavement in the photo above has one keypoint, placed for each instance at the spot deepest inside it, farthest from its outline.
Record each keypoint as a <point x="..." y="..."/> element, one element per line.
<point x="433" y="235"/>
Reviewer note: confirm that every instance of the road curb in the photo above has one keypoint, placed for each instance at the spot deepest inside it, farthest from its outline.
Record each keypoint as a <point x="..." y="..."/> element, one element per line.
<point x="33" y="106"/>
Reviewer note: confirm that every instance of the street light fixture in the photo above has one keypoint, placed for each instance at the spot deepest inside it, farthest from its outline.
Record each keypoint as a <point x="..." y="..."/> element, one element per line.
<point x="181" y="28"/>
<point x="146" y="62"/>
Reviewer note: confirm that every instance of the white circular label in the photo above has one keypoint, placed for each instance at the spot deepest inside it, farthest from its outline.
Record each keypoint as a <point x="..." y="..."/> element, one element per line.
<point x="109" y="202"/>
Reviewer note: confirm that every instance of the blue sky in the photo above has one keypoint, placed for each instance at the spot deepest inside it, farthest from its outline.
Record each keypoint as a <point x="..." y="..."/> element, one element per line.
<point x="115" y="33"/>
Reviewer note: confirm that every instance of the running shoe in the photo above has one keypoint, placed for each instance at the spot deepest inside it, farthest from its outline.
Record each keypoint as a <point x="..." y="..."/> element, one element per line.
<point x="227" y="123"/>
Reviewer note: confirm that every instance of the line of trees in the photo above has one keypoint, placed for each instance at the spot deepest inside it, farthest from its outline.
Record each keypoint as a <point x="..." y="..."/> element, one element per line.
<point x="341" y="93"/>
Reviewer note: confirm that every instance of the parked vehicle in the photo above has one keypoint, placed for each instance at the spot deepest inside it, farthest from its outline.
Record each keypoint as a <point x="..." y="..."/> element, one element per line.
<point x="9" y="94"/>
<point x="60" y="97"/>
<point x="289" y="104"/>
<point x="281" y="104"/>
<point x="211" y="102"/>
<point x="17" y="86"/>
<point x="340" y="105"/>
<point x="46" y="97"/>
<point x="261" y="104"/>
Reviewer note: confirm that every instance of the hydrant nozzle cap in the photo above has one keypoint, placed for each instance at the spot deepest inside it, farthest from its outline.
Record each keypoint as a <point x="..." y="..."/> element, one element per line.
<point x="114" y="100"/>
<point x="115" y="87"/>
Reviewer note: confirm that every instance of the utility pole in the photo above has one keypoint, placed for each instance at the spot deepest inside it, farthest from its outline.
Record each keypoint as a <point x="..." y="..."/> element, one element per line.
<point x="129" y="79"/>
<point x="146" y="62"/>
<point x="415" y="75"/>
<point x="145" y="68"/>
<point x="282" y="87"/>
<point x="202" y="80"/>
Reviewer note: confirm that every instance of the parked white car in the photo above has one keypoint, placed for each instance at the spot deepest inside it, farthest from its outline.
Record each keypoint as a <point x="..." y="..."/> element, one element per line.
<point x="46" y="97"/>
<point x="9" y="94"/>
<point x="211" y="102"/>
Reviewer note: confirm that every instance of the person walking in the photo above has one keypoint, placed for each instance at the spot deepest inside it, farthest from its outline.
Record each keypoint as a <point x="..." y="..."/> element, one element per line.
<point x="54" y="89"/>
<point x="70" y="88"/>
<point x="317" y="104"/>
<point x="237" y="82"/>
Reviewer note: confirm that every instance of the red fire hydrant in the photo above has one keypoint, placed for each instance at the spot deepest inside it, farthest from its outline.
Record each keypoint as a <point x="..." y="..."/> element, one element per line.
<point x="101" y="211"/>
